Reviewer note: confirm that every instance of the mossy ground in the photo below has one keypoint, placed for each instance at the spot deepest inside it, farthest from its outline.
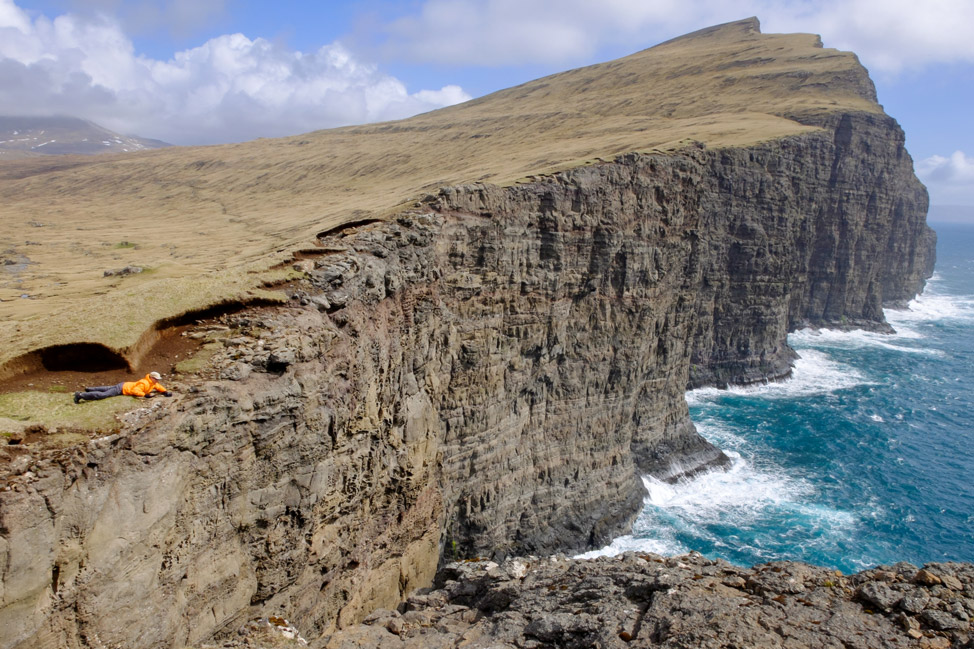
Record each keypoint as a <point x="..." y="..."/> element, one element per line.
<point x="56" y="410"/>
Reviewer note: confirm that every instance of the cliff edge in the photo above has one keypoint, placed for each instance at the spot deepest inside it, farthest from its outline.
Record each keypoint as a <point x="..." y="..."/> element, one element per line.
<point x="487" y="369"/>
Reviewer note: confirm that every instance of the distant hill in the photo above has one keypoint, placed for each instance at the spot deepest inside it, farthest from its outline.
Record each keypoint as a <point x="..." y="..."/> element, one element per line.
<point x="26" y="136"/>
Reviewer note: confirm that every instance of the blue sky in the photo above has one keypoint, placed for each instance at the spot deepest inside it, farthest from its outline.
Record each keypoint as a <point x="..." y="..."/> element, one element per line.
<point x="208" y="71"/>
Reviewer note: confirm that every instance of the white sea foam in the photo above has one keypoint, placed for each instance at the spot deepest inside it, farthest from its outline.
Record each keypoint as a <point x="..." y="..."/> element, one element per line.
<point x="856" y="339"/>
<point x="924" y="309"/>
<point x="814" y="373"/>
<point x="629" y="543"/>
<point x="742" y="497"/>
<point x="721" y="434"/>
<point x="931" y="307"/>
<point x="752" y="499"/>
<point x="740" y="490"/>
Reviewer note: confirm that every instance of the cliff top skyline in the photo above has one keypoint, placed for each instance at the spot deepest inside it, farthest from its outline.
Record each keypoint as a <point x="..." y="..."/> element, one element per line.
<point x="217" y="71"/>
<point x="208" y="223"/>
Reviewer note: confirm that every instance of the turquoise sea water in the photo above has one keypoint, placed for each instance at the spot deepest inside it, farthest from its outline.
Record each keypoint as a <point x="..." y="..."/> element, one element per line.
<point x="865" y="456"/>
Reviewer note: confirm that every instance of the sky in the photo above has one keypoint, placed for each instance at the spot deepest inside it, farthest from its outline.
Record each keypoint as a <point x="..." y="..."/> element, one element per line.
<point x="212" y="71"/>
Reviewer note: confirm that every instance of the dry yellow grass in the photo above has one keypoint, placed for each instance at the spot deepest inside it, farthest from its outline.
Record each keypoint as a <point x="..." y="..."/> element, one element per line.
<point x="208" y="221"/>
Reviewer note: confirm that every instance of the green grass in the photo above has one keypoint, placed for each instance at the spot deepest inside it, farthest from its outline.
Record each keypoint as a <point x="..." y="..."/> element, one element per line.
<point x="55" y="410"/>
<point x="198" y="361"/>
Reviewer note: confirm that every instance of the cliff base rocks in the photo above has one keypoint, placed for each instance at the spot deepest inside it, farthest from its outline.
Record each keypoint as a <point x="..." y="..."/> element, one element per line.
<point x="646" y="600"/>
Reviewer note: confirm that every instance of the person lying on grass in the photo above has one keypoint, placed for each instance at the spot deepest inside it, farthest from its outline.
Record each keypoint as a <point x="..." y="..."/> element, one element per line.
<point x="144" y="387"/>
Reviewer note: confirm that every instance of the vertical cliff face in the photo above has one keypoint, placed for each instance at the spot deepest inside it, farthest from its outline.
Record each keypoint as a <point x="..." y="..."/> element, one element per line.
<point x="821" y="230"/>
<point x="658" y="272"/>
<point x="489" y="373"/>
<point x="573" y="325"/>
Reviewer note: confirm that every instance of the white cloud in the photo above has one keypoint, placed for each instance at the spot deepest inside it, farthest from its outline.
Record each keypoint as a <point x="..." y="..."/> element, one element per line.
<point x="230" y="88"/>
<point x="494" y="32"/>
<point x="949" y="179"/>
<point x="13" y="16"/>
<point x="958" y="168"/>
<point x="888" y="35"/>
<point x="513" y="32"/>
<point x="233" y="87"/>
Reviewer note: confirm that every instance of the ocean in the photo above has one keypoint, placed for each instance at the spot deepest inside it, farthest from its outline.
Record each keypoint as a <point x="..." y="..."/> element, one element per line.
<point x="864" y="457"/>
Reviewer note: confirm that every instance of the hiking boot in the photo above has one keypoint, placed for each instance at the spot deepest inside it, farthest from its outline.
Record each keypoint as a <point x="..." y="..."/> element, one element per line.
<point x="77" y="397"/>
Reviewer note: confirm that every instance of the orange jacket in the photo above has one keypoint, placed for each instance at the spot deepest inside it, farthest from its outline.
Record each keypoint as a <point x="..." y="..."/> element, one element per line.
<point x="142" y="387"/>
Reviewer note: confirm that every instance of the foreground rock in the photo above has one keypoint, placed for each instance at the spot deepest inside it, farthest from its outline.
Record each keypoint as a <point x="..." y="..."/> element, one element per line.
<point x="644" y="600"/>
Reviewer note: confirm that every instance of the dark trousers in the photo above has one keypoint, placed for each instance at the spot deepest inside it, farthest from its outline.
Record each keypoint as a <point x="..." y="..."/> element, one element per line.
<point x="101" y="392"/>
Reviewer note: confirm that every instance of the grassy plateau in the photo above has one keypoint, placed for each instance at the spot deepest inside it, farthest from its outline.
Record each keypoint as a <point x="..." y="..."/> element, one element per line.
<point x="207" y="223"/>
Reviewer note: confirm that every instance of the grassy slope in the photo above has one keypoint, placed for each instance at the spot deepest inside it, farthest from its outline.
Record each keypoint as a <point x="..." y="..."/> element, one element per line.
<point x="204" y="219"/>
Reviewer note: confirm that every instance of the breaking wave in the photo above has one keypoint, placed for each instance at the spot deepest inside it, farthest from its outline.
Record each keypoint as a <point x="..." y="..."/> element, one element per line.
<point x="861" y="457"/>
<point x="739" y="512"/>
<point x="814" y="373"/>
<point x="836" y="339"/>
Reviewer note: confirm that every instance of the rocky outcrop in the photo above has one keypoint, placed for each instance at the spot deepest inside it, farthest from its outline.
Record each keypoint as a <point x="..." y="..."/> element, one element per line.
<point x="294" y="487"/>
<point x="686" y="602"/>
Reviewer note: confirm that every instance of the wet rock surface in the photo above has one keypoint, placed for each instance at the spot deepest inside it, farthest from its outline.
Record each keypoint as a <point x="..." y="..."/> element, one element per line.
<point x="645" y="600"/>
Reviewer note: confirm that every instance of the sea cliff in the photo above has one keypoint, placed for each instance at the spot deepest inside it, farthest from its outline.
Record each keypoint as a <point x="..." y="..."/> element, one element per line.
<point x="486" y="373"/>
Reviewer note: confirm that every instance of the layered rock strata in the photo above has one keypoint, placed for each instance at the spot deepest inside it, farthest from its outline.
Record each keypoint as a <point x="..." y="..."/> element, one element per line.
<point x="487" y="374"/>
